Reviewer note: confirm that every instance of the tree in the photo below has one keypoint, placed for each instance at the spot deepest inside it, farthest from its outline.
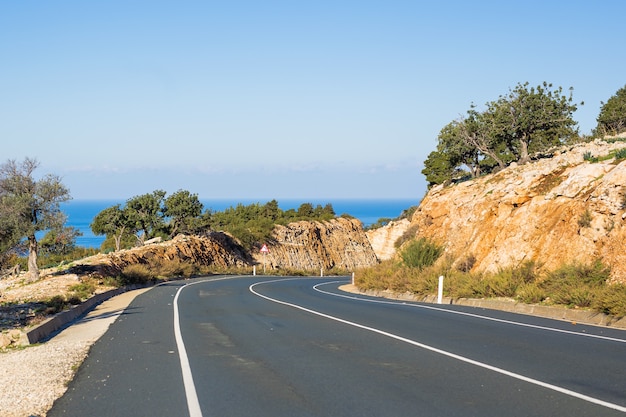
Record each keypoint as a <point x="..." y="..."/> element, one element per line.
<point x="306" y="211"/>
<point x="144" y="211"/>
<point x="454" y="149"/>
<point x="183" y="210"/>
<point x="113" y="221"/>
<point x="478" y="132"/>
<point x="532" y="118"/>
<point x="59" y="240"/>
<point x="29" y="206"/>
<point x="612" y="117"/>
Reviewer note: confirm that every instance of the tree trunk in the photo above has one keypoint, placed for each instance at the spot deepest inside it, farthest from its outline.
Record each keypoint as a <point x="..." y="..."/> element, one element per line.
<point x="523" y="151"/>
<point x="33" y="269"/>
<point x="118" y="239"/>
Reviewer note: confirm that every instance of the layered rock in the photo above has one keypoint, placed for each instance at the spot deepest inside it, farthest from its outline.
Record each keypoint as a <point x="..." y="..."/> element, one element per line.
<point x="215" y="249"/>
<point x="383" y="239"/>
<point x="553" y="211"/>
<point x="338" y="243"/>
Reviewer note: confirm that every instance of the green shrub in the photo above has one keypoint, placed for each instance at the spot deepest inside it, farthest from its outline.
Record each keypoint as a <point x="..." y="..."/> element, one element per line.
<point x="620" y="154"/>
<point x="55" y="304"/>
<point x="82" y="291"/>
<point x="421" y="253"/>
<point x="587" y="156"/>
<point x="530" y="293"/>
<point x="576" y="285"/>
<point x="135" y="274"/>
<point x="612" y="300"/>
<point x="585" y="219"/>
<point x="408" y="235"/>
<point x="175" y="268"/>
<point x="467" y="263"/>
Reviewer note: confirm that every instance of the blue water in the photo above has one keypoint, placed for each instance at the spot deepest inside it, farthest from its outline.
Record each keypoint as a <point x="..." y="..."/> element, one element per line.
<point x="80" y="213"/>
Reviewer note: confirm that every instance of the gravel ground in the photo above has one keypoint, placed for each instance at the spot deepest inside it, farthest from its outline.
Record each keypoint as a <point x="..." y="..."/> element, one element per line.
<point x="34" y="377"/>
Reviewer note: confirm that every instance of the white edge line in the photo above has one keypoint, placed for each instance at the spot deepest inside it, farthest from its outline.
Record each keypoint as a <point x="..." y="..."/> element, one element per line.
<point x="445" y="353"/>
<point x="190" y="388"/>
<point x="462" y="313"/>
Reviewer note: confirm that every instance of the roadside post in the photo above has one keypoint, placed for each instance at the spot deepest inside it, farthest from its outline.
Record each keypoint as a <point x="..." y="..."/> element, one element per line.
<point x="264" y="251"/>
<point x="440" y="291"/>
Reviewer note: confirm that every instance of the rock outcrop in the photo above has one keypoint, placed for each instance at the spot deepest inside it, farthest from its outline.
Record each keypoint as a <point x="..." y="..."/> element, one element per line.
<point x="339" y="243"/>
<point x="383" y="239"/>
<point x="553" y="211"/>
<point x="215" y="249"/>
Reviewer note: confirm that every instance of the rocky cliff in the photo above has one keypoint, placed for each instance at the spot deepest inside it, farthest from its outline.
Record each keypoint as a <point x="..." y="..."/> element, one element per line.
<point x="557" y="210"/>
<point x="383" y="239"/>
<point x="215" y="249"/>
<point x="339" y="243"/>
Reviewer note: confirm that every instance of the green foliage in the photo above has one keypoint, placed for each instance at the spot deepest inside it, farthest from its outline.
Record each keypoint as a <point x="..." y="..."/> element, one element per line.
<point x="82" y="291"/>
<point x="588" y="156"/>
<point x="572" y="285"/>
<point x="59" y="241"/>
<point x="576" y="284"/>
<point x="420" y="253"/>
<point x="612" y="117"/>
<point x="28" y="206"/>
<point x="408" y="234"/>
<point x="144" y="212"/>
<point x="524" y="121"/>
<point x="620" y="154"/>
<point x="612" y="300"/>
<point x="383" y="221"/>
<point x="183" y="210"/>
<point x="585" y="219"/>
<point x="253" y="223"/>
<point x="151" y="215"/>
<point x="135" y="274"/>
<point x="530" y="293"/>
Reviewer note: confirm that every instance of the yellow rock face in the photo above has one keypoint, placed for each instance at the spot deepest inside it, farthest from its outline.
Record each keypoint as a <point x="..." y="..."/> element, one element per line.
<point x="553" y="211"/>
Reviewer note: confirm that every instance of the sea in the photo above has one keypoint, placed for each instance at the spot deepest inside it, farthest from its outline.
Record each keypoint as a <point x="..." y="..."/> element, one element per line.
<point x="80" y="213"/>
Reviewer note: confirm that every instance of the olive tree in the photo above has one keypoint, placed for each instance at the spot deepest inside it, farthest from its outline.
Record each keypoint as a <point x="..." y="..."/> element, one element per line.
<point x="29" y="205"/>
<point x="612" y="117"/>
<point x="183" y="210"/>
<point x="144" y="212"/>
<point x="532" y="118"/>
<point x="113" y="222"/>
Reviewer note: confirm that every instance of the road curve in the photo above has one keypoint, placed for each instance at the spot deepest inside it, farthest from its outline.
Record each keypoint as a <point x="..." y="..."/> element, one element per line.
<point x="268" y="346"/>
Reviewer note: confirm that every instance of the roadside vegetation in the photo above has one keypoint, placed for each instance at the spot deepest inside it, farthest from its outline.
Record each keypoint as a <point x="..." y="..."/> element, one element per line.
<point x="154" y="215"/>
<point x="523" y="124"/>
<point x="421" y="262"/>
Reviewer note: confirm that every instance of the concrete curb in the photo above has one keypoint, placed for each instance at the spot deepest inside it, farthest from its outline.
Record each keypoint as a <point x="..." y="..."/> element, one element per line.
<point x="558" y="313"/>
<point x="49" y="326"/>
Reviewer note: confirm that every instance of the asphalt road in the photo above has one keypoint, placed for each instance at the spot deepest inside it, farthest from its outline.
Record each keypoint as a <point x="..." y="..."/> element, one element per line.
<point x="263" y="346"/>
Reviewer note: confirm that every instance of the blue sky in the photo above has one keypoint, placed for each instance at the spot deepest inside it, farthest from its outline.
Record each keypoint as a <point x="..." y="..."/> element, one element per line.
<point x="278" y="99"/>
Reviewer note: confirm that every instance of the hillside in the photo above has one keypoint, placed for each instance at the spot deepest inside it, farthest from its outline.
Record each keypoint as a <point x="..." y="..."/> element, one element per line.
<point x="568" y="207"/>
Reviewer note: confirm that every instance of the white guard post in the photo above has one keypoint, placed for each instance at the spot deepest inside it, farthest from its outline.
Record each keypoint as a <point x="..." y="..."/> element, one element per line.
<point x="440" y="291"/>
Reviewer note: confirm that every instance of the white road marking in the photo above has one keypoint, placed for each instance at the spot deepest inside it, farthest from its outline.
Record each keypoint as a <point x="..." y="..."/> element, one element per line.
<point x="190" y="389"/>
<point x="462" y="313"/>
<point x="442" y="352"/>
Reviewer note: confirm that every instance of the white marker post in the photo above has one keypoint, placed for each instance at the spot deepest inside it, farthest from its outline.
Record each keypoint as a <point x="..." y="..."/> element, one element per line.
<point x="264" y="251"/>
<point x="440" y="291"/>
